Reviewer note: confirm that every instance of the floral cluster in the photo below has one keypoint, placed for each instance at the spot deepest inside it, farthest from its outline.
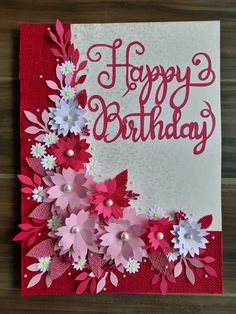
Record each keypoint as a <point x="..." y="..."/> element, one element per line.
<point x="91" y="228"/>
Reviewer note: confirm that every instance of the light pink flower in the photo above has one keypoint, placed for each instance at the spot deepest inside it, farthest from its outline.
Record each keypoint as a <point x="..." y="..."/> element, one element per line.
<point x="77" y="236"/>
<point x="66" y="188"/>
<point x="121" y="239"/>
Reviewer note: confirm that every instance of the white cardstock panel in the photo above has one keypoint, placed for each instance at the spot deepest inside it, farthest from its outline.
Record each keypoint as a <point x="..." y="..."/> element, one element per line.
<point x="166" y="173"/>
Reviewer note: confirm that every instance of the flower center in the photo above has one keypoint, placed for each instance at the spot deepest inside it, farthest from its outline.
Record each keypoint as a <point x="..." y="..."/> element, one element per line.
<point x="68" y="68"/>
<point x="109" y="202"/>
<point x="67" y="188"/>
<point x="67" y="93"/>
<point x="188" y="236"/>
<point x="75" y="230"/>
<point x="92" y="167"/>
<point x="124" y="236"/>
<point x="155" y="215"/>
<point x="159" y="235"/>
<point x="70" y="153"/>
<point x="67" y="118"/>
<point x="131" y="266"/>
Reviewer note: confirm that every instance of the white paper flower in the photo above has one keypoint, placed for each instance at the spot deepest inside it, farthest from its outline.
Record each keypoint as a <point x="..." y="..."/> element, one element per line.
<point x="48" y="162"/>
<point x="155" y="213"/>
<point x="67" y="93"/>
<point x="54" y="223"/>
<point x="38" y="150"/>
<point x="50" y="138"/>
<point x="189" y="237"/>
<point x="93" y="168"/>
<point x="37" y="194"/>
<point x="132" y="266"/>
<point x="173" y="256"/>
<point x="67" y="67"/>
<point x="67" y="117"/>
<point x="44" y="263"/>
<point x="79" y="264"/>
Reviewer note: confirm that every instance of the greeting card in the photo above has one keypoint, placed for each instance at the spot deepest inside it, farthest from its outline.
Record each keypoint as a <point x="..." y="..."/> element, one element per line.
<point x="120" y="158"/>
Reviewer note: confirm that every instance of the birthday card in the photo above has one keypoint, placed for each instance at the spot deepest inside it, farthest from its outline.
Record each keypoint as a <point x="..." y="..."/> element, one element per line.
<point x="120" y="130"/>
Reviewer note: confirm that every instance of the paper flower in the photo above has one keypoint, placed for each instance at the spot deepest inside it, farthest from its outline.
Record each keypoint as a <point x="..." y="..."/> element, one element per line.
<point x="71" y="152"/>
<point x="121" y="238"/>
<point x="50" y="138"/>
<point x="77" y="235"/>
<point x="37" y="194"/>
<point x="67" y="117"/>
<point x="173" y="256"/>
<point x="189" y="237"/>
<point x="67" y="67"/>
<point x="111" y="197"/>
<point x="54" y="223"/>
<point x="38" y="150"/>
<point x="67" y="188"/>
<point x="132" y="266"/>
<point x="93" y="168"/>
<point x="160" y="236"/>
<point x="155" y="213"/>
<point x="48" y="162"/>
<point x="67" y="93"/>
<point x="79" y="263"/>
<point x="44" y="263"/>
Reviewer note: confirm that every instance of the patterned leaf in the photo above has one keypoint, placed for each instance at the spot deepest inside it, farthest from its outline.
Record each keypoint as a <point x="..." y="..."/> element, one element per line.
<point x="42" y="212"/>
<point x="44" y="248"/>
<point x="36" y="166"/>
<point x="58" y="267"/>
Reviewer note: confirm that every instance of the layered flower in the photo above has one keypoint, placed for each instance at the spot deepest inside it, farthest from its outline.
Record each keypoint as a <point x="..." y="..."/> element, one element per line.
<point x="66" y="188"/>
<point x="159" y="235"/>
<point x="121" y="239"/>
<point x="67" y="117"/>
<point x="111" y="197"/>
<point x="77" y="235"/>
<point x="189" y="237"/>
<point x="71" y="152"/>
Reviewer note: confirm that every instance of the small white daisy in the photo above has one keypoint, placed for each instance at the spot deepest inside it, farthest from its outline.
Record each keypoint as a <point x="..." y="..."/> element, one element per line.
<point x="67" y="93"/>
<point x="79" y="264"/>
<point x="173" y="256"/>
<point x="48" y="162"/>
<point x="37" y="194"/>
<point x="155" y="213"/>
<point x="54" y="223"/>
<point x="67" y="67"/>
<point x="132" y="266"/>
<point x="93" y="168"/>
<point x="44" y="263"/>
<point x="38" y="150"/>
<point x="50" y="138"/>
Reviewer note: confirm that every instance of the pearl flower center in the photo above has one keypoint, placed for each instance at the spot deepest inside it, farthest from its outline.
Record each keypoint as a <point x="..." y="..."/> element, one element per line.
<point x="159" y="235"/>
<point x="75" y="230"/>
<point x="67" y="188"/>
<point x="189" y="236"/>
<point x="124" y="236"/>
<point x="70" y="153"/>
<point x="109" y="202"/>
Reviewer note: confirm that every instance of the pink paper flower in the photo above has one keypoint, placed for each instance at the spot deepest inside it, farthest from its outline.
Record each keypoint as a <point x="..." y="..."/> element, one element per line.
<point x="66" y="188"/>
<point x="77" y="236"/>
<point x="121" y="239"/>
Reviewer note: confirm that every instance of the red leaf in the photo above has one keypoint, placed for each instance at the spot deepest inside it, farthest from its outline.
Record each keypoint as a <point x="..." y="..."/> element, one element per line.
<point x="82" y="98"/>
<point x="205" y="221"/>
<point x="31" y="240"/>
<point x="208" y="259"/>
<point x="37" y="179"/>
<point x="82" y="276"/>
<point x="81" y="79"/>
<point x="21" y="236"/>
<point x="26" y="190"/>
<point x="54" y="38"/>
<point x="210" y="270"/>
<point x="155" y="279"/>
<point x="82" y="286"/>
<point x="122" y="178"/>
<point x="68" y="38"/>
<point x="25" y="226"/>
<point x="82" y="65"/>
<point x="56" y="53"/>
<point x="163" y="286"/>
<point x="26" y="180"/>
<point x="93" y="285"/>
<point x="75" y="56"/>
<point x="59" y="28"/>
<point x="36" y="166"/>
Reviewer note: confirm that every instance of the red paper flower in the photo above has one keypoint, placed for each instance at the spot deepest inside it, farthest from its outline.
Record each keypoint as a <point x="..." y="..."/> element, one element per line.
<point x="111" y="197"/>
<point x="160" y="235"/>
<point x="71" y="152"/>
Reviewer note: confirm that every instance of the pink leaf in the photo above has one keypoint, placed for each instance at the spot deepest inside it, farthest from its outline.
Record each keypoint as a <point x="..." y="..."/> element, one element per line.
<point x="59" y="28"/>
<point x="41" y="212"/>
<point x="68" y="79"/>
<point x="163" y="286"/>
<point x="54" y="98"/>
<point x="37" y="179"/>
<point x="26" y="180"/>
<point x="58" y="267"/>
<point x="32" y="130"/>
<point x="208" y="259"/>
<point x="33" y="267"/>
<point x="39" y="138"/>
<point x="195" y="262"/>
<point x="101" y="284"/>
<point x="44" y="248"/>
<point x="56" y="53"/>
<point x="155" y="279"/>
<point x="82" y="65"/>
<point x="82" y="286"/>
<point x="113" y="279"/>
<point x="58" y="73"/>
<point x="210" y="270"/>
<point x="21" y="236"/>
<point x="82" y="276"/>
<point x="52" y="85"/>
<point x="36" y="166"/>
<point x="34" y="280"/>
<point x="48" y="280"/>
<point x="45" y="117"/>
<point x="205" y="221"/>
<point x="190" y="275"/>
<point x="178" y="269"/>
<point x="31" y="117"/>
<point x="26" y="190"/>
<point x="25" y="226"/>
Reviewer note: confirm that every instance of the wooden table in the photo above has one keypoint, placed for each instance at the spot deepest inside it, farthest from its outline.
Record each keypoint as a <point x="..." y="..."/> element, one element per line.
<point x="12" y="12"/>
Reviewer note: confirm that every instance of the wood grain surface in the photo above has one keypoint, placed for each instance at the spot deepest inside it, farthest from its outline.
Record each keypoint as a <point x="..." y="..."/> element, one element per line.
<point x="12" y="12"/>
